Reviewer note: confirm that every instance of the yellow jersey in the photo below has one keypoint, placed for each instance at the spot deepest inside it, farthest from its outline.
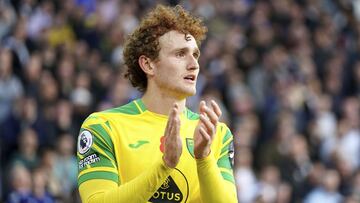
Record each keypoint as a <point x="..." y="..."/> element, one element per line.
<point x="122" y="144"/>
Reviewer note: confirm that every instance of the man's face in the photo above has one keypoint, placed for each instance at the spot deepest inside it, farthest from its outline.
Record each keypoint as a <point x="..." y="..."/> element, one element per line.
<point x="177" y="67"/>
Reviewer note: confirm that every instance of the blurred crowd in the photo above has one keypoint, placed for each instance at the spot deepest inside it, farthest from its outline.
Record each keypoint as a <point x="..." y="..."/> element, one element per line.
<point x="285" y="72"/>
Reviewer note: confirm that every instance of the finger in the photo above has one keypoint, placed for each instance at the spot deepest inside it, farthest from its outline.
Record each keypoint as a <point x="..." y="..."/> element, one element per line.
<point x="175" y="105"/>
<point x="201" y="106"/>
<point x="204" y="134"/>
<point x="216" y="108"/>
<point x="169" y="124"/>
<point x="207" y="124"/>
<point x="176" y="126"/>
<point x="211" y="115"/>
<point x="175" y="122"/>
<point x="174" y="110"/>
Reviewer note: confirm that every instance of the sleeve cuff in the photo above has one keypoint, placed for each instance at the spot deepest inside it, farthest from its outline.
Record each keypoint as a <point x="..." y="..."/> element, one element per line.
<point x="205" y="162"/>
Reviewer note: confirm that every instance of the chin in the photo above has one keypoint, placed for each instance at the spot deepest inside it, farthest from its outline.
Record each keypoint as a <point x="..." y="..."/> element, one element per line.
<point x="190" y="93"/>
<point x="185" y="93"/>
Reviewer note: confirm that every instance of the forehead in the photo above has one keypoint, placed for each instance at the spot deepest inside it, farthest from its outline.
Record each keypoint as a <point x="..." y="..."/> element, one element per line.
<point x="174" y="40"/>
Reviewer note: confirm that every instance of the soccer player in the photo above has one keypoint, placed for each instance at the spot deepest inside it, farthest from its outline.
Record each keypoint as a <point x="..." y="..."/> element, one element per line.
<point x="154" y="149"/>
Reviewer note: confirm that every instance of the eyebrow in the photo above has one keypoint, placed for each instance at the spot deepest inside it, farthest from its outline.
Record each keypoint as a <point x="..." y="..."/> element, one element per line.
<point x="197" y="50"/>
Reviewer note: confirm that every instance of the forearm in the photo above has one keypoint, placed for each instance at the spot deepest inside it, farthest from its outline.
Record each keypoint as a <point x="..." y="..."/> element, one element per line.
<point x="140" y="189"/>
<point x="213" y="187"/>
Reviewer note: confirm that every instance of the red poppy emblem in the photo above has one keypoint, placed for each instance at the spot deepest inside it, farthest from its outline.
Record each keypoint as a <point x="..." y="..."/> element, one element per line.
<point x="162" y="147"/>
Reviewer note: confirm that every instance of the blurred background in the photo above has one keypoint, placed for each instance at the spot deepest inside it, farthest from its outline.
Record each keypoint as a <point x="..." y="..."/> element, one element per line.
<point x="285" y="72"/>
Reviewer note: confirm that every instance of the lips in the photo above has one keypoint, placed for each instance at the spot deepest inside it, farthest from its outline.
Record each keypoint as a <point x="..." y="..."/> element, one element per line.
<point x="190" y="77"/>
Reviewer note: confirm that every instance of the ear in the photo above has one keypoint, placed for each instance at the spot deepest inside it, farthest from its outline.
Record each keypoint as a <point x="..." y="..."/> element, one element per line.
<point x="146" y="65"/>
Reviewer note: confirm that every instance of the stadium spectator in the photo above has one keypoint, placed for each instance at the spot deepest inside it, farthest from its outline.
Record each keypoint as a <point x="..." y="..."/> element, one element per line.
<point x="20" y="181"/>
<point x="65" y="165"/>
<point x="327" y="191"/>
<point x="40" y="193"/>
<point x="27" y="154"/>
<point x="11" y="87"/>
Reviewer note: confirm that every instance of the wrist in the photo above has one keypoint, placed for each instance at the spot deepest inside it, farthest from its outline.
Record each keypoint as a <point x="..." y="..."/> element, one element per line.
<point x="203" y="154"/>
<point x="204" y="162"/>
<point x="167" y="162"/>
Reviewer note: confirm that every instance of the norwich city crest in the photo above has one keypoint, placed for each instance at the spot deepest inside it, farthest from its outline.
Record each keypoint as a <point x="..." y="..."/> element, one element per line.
<point x="190" y="146"/>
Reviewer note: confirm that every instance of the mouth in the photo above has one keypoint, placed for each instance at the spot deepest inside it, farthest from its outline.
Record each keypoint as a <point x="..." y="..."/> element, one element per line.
<point x="190" y="78"/>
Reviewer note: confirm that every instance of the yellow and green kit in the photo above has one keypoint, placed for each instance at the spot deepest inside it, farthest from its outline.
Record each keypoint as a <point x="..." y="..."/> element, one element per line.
<point x="120" y="159"/>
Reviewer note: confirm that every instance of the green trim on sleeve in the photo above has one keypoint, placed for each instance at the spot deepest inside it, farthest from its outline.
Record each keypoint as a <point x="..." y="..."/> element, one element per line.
<point x="224" y="162"/>
<point x="227" y="136"/>
<point x="100" y="130"/>
<point x="99" y="175"/>
<point x="225" y="148"/>
<point x="108" y="125"/>
<point x="228" y="177"/>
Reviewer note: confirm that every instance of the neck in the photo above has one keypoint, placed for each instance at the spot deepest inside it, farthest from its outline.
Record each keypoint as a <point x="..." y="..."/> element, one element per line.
<point x="161" y="103"/>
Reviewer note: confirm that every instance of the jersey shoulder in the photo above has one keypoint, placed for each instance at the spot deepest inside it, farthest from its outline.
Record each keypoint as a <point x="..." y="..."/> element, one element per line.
<point x="225" y="133"/>
<point x="134" y="107"/>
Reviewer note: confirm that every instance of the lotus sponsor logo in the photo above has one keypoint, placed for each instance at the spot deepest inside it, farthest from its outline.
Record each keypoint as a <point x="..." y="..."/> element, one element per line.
<point x="168" y="192"/>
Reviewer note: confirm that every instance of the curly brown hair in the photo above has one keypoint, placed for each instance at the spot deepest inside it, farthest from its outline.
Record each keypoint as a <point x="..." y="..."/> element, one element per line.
<point x="145" y="39"/>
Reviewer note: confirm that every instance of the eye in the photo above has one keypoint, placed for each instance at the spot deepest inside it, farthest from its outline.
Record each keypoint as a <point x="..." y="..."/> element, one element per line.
<point x="196" y="55"/>
<point x="180" y="53"/>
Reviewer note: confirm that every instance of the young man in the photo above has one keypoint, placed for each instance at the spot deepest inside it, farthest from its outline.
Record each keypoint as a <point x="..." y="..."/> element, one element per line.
<point x="140" y="152"/>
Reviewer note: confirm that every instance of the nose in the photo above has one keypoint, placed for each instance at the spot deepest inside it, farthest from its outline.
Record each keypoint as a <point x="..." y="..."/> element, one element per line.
<point x="193" y="63"/>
